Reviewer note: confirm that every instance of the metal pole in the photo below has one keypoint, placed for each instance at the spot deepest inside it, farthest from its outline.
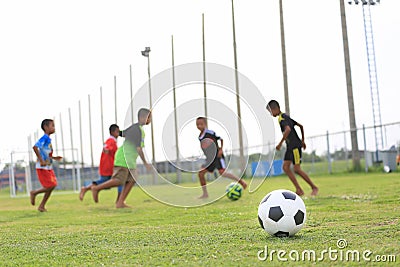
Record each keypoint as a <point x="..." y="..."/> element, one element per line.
<point x="352" y="117"/>
<point x="204" y="69"/>
<point x="28" y="180"/>
<point x="55" y="164"/>
<point x="178" y="168"/>
<point x="131" y="89"/>
<point x="115" y="99"/>
<point x="242" y="163"/>
<point x="284" y="66"/>
<point x="365" y="150"/>
<point x="329" y="153"/>
<point x="80" y="134"/>
<point x="72" y="151"/>
<point x="151" y="108"/>
<point x="101" y="114"/>
<point x="90" y="137"/>
<point x="62" y="144"/>
<point x="12" y="177"/>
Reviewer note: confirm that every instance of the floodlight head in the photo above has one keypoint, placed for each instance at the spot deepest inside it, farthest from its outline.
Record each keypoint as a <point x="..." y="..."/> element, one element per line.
<point x="146" y="51"/>
<point x="364" y="2"/>
<point x="356" y="2"/>
<point x="372" y="2"/>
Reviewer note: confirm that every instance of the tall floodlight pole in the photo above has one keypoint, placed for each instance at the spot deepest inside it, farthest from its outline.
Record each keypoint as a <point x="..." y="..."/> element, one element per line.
<point x="146" y="53"/>
<point x="242" y="163"/>
<point x="284" y="66"/>
<point x="204" y="69"/>
<point x="372" y="71"/>
<point x="178" y="168"/>
<point x="350" y="100"/>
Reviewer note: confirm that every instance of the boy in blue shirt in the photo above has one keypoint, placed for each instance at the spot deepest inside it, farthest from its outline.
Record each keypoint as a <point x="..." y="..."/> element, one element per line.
<point x="44" y="169"/>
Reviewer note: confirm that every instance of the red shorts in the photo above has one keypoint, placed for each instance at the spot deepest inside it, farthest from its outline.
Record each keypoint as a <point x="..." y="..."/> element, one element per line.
<point x="47" y="178"/>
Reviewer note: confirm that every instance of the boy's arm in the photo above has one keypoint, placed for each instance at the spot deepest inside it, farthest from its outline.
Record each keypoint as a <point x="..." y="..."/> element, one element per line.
<point x="302" y="135"/>
<point x="285" y="135"/>
<point x="141" y="155"/>
<point x="37" y="153"/>
<point x="220" y="149"/>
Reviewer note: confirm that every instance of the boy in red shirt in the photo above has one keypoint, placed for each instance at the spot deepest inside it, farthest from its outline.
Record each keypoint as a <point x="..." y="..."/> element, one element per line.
<point x="106" y="162"/>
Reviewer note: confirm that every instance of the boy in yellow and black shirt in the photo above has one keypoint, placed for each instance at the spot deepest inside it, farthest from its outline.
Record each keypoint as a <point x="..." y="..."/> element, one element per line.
<point x="293" y="147"/>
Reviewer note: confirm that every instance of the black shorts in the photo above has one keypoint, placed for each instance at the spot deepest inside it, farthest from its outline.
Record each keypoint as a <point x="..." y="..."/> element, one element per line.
<point x="217" y="163"/>
<point x="293" y="155"/>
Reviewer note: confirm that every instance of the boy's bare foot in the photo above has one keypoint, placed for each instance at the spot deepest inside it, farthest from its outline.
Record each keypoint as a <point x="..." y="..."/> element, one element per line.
<point x="203" y="196"/>
<point x="300" y="192"/>
<point x="123" y="206"/>
<point x="95" y="194"/>
<point x="41" y="209"/>
<point x="314" y="192"/>
<point x="32" y="196"/>
<point x="82" y="193"/>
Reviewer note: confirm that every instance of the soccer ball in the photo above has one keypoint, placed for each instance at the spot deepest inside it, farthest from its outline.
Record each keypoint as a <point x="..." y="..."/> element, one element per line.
<point x="234" y="191"/>
<point x="282" y="213"/>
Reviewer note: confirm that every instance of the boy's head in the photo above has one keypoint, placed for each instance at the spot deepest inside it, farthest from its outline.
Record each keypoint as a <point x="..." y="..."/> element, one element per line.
<point x="144" y="116"/>
<point x="273" y="108"/>
<point x="114" y="130"/>
<point x="48" y="126"/>
<point x="201" y="123"/>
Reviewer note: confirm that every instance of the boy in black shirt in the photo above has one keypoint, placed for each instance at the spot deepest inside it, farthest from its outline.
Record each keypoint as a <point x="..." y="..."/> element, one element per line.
<point x="214" y="157"/>
<point x="293" y="147"/>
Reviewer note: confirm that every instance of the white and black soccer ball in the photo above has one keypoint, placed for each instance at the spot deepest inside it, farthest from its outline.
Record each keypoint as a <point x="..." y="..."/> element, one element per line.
<point x="282" y="213"/>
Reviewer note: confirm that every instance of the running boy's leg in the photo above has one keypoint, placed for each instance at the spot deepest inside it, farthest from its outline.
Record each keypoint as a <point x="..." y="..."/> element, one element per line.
<point x="101" y="180"/>
<point x="33" y="194"/>
<point x="46" y="197"/>
<point x="233" y="177"/>
<point x="292" y="177"/>
<point x="203" y="183"/>
<point x="130" y="182"/>
<point x="306" y="178"/>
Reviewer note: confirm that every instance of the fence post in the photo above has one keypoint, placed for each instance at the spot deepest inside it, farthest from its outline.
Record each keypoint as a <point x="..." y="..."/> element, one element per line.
<point x="365" y="150"/>
<point x="329" y="154"/>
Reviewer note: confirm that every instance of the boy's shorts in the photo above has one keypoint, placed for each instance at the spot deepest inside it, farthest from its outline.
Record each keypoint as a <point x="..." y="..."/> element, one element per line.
<point x="218" y="163"/>
<point x="104" y="179"/>
<point x="293" y="155"/>
<point x="123" y="174"/>
<point x="47" y="178"/>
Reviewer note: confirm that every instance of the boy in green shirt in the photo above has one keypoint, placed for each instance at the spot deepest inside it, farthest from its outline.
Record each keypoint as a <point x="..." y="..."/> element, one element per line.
<point x="125" y="159"/>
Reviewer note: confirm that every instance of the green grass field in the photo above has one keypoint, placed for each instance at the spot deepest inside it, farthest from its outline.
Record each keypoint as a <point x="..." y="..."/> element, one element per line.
<point x="363" y="209"/>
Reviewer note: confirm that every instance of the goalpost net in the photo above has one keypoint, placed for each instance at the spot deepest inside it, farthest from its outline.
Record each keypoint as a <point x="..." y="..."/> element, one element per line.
<point x="22" y="176"/>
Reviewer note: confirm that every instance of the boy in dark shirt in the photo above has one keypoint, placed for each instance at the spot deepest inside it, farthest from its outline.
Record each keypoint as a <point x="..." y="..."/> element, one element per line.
<point x="214" y="157"/>
<point x="293" y="147"/>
